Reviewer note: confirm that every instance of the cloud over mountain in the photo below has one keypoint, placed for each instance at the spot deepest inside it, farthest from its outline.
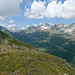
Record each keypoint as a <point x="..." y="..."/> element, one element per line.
<point x="1" y="18"/>
<point x="2" y="24"/>
<point x="13" y="28"/>
<point x="39" y="9"/>
<point x="11" y="21"/>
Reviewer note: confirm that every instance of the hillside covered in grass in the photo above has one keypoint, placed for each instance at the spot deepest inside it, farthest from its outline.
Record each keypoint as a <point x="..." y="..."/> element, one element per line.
<point x="52" y="42"/>
<point x="17" y="58"/>
<point x="5" y="39"/>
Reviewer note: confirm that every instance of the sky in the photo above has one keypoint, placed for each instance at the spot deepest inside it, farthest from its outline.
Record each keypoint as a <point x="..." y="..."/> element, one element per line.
<point x="25" y="13"/>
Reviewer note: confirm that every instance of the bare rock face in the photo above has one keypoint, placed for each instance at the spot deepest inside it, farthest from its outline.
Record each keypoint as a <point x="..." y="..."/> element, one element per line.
<point x="61" y="27"/>
<point x="65" y="28"/>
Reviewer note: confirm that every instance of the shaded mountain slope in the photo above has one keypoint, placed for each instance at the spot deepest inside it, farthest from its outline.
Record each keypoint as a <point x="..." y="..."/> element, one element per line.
<point x="5" y="39"/>
<point x="5" y="30"/>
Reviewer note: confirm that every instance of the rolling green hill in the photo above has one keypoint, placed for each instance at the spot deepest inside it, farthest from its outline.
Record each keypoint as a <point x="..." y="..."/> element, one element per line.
<point x="17" y="58"/>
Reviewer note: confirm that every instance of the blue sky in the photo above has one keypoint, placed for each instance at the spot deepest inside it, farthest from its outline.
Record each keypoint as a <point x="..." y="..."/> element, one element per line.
<point x="24" y="13"/>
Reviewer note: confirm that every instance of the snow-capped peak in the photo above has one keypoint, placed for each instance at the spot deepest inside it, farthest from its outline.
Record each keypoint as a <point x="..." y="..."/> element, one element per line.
<point x="59" y="27"/>
<point x="45" y="26"/>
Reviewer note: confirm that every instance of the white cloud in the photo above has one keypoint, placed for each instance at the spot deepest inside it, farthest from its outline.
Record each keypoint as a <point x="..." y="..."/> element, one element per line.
<point x="9" y="26"/>
<point x="51" y="24"/>
<point x="41" y="23"/>
<point x="35" y="25"/>
<point x="38" y="10"/>
<point x="27" y="26"/>
<point x="13" y="28"/>
<point x="11" y="21"/>
<point x="9" y="7"/>
<point x="22" y="28"/>
<point x="2" y="18"/>
<point x="2" y="24"/>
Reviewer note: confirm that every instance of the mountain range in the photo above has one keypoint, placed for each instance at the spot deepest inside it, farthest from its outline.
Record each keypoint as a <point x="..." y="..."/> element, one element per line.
<point x="61" y="27"/>
<point x="58" y="40"/>
<point x="47" y="27"/>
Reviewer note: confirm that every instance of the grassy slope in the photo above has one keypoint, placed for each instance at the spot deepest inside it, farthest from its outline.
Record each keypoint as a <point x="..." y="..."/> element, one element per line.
<point x="60" y="45"/>
<point x="15" y="60"/>
<point x="53" y="42"/>
<point x="5" y="39"/>
<point x="31" y="62"/>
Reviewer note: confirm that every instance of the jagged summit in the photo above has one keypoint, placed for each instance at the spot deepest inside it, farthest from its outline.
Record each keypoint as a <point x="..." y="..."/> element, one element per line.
<point x="61" y="27"/>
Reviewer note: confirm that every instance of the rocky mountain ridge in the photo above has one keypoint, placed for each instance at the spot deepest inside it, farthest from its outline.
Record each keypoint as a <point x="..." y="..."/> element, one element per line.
<point x="47" y="27"/>
<point x="61" y="27"/>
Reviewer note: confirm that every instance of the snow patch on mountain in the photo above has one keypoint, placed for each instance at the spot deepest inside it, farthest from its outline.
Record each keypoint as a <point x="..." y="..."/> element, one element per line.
<point x="59" y="27"/>
<point x="45" y="26"/>
<point x="65" y="28"/>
